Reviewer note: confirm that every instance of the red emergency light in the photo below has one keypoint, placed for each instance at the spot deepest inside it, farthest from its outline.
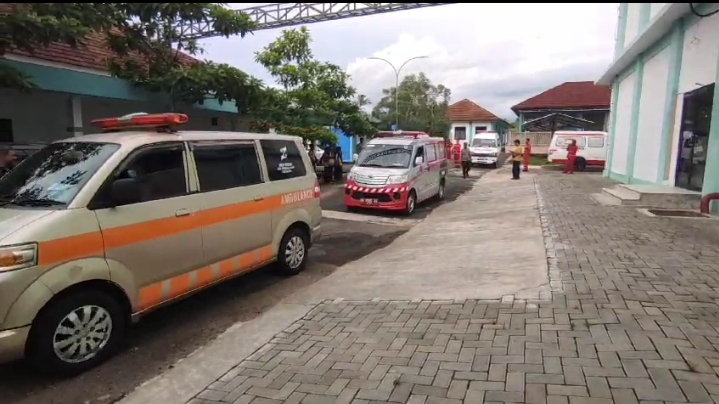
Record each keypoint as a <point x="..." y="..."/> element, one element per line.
<point x="140" y="120"/>
<point x="401" y="133"/>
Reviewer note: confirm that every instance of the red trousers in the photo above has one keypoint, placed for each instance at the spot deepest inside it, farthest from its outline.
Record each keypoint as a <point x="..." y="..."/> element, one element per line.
<point x="569" y="164"/>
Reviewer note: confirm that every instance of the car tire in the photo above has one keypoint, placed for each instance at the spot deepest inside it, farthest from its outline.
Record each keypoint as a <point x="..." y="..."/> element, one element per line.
<point x="96" y="310"/>
<point x="292" y="254"/>
<point x="580" y="164"/>
<point x="411" y="204"/>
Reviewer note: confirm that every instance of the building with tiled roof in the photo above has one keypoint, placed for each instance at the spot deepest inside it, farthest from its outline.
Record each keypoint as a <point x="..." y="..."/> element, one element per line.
<point x="584" y="100"/>
<point x="468" y="118"/>
<point x="664" y="128"/>
<point x="75" y="87"/>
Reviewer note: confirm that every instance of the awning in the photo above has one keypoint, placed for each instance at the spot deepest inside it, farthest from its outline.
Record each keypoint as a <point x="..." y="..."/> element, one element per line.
<point x="555" y="121"/>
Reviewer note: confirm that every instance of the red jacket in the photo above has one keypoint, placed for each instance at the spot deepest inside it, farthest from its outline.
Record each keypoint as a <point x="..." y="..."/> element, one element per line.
<point x="572" y="150"/>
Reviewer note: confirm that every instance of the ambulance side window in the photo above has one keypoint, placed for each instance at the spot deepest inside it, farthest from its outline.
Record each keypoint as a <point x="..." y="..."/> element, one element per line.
<point x="420" y="153"/>
<point x="431" y="153"/>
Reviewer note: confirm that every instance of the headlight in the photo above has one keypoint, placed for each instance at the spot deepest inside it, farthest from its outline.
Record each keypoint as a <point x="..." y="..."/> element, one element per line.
<point x="493" y="154"/>
<point x="351" y="176"/>
<point x="396" y="179"/>
<point x="18" y="257"/>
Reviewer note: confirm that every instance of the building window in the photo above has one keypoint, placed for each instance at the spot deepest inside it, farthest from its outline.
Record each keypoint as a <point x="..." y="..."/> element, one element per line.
<point x="478" y="129"/>
<point x="460" y="133"/>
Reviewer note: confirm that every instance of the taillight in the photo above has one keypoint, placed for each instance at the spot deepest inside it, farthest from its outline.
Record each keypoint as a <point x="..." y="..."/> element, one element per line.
<point x="317" y="189"/>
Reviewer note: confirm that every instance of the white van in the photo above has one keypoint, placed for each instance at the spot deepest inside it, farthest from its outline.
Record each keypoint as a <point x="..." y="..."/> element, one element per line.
<point x="592" y="148"/>
<point x="395" y="173"/>
<point x="98" y="230"/>
<point x="486" y="148"/>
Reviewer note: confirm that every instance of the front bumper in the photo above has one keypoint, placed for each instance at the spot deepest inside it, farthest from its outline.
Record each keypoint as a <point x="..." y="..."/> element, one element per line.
<point x="390" y="197"/>
<point x="316" y="234"/>
<point x="484" y="160"/>
<point x="12" y="344"/>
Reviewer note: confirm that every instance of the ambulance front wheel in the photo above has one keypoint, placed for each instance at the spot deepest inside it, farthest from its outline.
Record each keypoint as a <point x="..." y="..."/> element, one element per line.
<point x="411" y="203"/>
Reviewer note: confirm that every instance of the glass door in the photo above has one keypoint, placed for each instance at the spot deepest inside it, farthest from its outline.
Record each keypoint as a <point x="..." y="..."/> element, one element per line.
<point x="694" y="138"/>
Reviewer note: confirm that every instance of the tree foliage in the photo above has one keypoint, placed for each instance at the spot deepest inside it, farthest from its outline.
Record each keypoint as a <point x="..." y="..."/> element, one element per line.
<point x="152" y="52"/>
<point x="311" y="95"/>
<point x="30" y="26"/>
<point x="422" y="106"/>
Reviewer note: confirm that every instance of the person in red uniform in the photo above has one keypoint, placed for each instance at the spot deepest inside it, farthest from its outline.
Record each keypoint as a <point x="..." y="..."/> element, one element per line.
<point x="571" y="157"/>
<point x="457" y="152"/>
<point x="527" y="154"/>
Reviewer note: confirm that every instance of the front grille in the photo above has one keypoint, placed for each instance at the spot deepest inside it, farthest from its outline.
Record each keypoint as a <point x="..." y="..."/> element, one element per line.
<point x="367" y="180"/>
<point x="379" y="197"/>
<point x="482" y="155"/>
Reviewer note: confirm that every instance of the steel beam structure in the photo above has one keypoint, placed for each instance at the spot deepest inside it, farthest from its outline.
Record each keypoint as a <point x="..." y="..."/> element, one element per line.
<point x="281" y="15"/>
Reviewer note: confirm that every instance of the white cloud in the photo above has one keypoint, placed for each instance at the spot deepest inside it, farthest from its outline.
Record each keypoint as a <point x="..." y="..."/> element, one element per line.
<point x="495" y="54"/>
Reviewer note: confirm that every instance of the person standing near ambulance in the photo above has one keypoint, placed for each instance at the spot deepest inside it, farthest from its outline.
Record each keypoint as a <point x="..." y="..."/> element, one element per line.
<point x="517" y="157"/>
<point x="527" y="154"/>
<point x="466" y="160"/>
<point x="571" y="157"/>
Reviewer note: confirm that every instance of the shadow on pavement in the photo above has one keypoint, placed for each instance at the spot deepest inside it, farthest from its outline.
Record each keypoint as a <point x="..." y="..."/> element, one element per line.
<point x="171" y="333"/>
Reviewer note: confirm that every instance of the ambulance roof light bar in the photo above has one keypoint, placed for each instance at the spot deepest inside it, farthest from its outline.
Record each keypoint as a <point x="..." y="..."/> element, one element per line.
<point x="401" y="133"/>
<point x="163" y="122"/>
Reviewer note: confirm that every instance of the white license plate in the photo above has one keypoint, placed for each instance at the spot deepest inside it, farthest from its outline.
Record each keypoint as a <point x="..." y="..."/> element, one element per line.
<point x="370" y="201"/>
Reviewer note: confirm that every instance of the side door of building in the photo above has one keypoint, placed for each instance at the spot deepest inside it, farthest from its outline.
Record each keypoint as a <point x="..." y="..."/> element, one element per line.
<point x="158" y="239"/>
<point x="237" y="211"/>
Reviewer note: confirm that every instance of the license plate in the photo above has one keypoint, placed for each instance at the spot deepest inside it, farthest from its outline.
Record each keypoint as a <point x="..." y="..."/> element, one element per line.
<point x="370" y="201"/>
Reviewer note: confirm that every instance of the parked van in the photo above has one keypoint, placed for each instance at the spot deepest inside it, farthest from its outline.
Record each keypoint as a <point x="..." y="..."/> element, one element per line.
<point x="486" y="149"/>
<point x="396" y="173"/>
<point x="592" y="148"/>
<point x="98" y="230"/>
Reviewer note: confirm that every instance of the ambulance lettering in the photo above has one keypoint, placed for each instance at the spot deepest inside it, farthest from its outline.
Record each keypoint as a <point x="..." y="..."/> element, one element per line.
<point x="299" y="196"/>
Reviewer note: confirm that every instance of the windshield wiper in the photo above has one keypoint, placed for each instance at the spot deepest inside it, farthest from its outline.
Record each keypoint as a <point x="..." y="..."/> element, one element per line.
<point x="370" y="165"/>
<point x="35" y="202"/>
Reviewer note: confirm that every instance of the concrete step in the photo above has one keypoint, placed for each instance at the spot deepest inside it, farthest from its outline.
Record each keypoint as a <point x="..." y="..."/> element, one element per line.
<point x="606" y="200"/>
<point x="621" y="195"/>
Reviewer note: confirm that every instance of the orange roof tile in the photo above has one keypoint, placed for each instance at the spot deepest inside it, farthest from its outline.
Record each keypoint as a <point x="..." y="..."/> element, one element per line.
<point x="572" y="94"/>
<point x="468" y="111"/>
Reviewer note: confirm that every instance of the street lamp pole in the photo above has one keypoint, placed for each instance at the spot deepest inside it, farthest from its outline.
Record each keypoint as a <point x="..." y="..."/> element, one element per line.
<point x="396" y="81"/>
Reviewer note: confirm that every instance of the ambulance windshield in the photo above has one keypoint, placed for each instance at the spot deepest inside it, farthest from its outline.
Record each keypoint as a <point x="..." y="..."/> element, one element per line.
<point x="385" y="156"/>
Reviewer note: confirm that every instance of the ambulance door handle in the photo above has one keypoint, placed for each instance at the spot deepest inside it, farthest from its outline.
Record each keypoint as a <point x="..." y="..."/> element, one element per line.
<point x="182" y="212"/>
<point x="258" y="198"/>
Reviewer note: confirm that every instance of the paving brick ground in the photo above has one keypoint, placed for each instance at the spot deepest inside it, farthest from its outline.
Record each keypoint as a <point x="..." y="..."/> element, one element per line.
<point x="633" y="319"/>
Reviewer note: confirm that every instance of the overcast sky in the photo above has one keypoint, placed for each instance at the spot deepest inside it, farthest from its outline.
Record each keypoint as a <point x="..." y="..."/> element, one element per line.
<point x="497" y="55"/>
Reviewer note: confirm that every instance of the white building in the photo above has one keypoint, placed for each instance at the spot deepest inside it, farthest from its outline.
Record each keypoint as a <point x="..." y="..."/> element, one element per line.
<point x="663" y="129"/>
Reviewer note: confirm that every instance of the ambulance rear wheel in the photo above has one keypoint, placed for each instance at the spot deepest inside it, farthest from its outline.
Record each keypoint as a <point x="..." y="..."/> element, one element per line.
<point x="580" y="164"/>
<point x="411" y="203"/>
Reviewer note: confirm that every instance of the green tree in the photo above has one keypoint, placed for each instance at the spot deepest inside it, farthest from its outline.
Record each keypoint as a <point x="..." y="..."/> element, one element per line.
<point x="151" y="52"/>
<point x="422" y="106"/>
<point x="30" y="26"/>
<point x="312" y="95"/>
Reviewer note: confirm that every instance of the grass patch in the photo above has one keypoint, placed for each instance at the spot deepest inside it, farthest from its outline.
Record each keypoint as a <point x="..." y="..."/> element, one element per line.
<point x="538" y="160"/>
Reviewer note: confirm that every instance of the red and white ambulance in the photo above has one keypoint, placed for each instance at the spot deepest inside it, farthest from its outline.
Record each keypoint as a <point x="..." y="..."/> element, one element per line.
<point x="397" y="170"/>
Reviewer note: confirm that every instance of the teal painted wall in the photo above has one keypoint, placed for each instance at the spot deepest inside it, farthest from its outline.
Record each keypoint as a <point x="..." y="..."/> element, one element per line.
<point x="621" y="30"/>
<point x="665" y="152"/>
<point x="80" y="83"/>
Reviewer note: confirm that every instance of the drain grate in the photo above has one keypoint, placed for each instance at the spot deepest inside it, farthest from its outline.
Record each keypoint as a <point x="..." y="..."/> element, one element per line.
<point x="676" y="213"/>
